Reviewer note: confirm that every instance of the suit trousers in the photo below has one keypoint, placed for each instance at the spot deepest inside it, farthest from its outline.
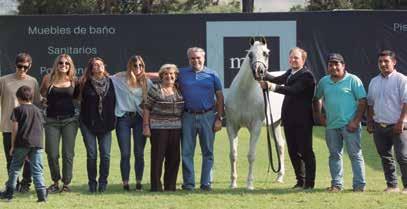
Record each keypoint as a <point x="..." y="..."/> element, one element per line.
<point x="299" y="144"/>
<point x="165" y="145"/>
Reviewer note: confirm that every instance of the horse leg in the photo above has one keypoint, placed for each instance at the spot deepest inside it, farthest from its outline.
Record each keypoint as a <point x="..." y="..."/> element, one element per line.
<point x="251" y="156"/>
<point x="281" y="147"/>
<point x="233" y="142"/>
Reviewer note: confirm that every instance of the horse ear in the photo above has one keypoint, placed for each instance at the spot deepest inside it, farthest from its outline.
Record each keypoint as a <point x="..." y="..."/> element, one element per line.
<point x="251" y="41"/>
<point x="263" y="40"/>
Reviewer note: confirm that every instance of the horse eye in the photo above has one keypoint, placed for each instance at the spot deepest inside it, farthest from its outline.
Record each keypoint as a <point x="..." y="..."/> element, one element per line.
<point x="265" y="54"/>
<point x="250" y="55"/>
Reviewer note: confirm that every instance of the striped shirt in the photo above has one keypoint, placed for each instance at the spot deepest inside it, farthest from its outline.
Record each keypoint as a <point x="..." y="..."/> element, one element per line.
<point x="165" y="111"/>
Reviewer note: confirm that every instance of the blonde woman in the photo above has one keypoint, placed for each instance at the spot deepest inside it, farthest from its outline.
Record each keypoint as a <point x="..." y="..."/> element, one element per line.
<point x="131" y="88"/>
<point x="60" y="89"/>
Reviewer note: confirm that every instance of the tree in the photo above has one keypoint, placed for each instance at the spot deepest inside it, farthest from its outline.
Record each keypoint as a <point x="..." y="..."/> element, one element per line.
<point x="298" y="8"/>
<point x="125" y="6"/>
<point x="314" y="5"/>
<point x="248" y="6"/>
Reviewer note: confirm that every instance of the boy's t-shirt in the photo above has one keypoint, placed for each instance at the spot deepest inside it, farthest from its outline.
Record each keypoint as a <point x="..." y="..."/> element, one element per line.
<point x="30" y="121"/>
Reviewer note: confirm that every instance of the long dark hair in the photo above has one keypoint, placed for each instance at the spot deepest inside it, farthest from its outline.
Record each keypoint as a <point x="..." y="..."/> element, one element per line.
<point x="88" y="71"/>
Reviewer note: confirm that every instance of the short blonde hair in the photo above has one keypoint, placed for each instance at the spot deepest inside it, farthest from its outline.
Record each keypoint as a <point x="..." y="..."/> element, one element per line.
<point x="304" y="54"/>
<point x="164" y="68"/>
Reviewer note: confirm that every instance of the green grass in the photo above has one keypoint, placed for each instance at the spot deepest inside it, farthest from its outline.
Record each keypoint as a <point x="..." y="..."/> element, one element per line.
<point x="267" y="194"/>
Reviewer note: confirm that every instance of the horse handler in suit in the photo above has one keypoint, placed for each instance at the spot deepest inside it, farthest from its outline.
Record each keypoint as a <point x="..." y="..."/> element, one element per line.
<point x="298" y="88"/>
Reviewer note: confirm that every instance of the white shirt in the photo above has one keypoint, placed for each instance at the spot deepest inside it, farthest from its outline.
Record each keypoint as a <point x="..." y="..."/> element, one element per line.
<point x="387" y="95"/>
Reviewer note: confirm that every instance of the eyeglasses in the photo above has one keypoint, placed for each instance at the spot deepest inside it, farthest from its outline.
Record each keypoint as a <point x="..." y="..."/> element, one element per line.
<point x="138" y="66"/>
<point x="24" y="67"/>
<point x="66" y="63"/>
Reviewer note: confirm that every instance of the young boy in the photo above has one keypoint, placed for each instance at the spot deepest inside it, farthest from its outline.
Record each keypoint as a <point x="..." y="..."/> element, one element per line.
<point x="26" y="142"/>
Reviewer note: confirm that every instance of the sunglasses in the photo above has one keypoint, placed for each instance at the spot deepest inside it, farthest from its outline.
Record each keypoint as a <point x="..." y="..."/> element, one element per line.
<point x="66" y="63"/>
<point x="24" y="67"/>
<point x="138" y="66"/>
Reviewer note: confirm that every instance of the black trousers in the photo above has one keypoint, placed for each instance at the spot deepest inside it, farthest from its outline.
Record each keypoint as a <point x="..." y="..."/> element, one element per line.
<point x="299" y="144"/>
<point x="165" y="145"/>
<point x="386" y="141"/>
<point x="7" y="147"/>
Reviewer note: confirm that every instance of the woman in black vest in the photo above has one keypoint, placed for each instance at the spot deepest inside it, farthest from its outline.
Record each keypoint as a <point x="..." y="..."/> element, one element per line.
<point x="97" y="120"/>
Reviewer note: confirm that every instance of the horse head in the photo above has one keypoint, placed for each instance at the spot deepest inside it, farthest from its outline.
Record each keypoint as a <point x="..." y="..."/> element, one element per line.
<point x="258" y="58"/>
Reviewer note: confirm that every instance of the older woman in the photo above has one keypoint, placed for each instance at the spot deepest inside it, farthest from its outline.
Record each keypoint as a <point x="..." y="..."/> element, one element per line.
<point x="162" y="114"/>
<point x="131" y="89"/>
<point x="97" y="120"/>
<point x="60" y="89"/>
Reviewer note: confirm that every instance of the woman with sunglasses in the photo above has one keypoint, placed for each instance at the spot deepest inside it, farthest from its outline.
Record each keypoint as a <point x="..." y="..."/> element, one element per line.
<point x="97" y="120"/>
<point x="131" y="89"/>
<point x="61" y="90"/>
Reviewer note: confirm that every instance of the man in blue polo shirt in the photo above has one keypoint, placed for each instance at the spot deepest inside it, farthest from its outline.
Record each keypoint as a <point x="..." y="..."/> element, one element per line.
<point x="202" y="116"/>
<point x="344" y="99"/>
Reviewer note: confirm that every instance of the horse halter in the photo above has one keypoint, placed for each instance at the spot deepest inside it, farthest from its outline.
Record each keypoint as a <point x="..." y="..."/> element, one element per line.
<point x="259" y="69"/>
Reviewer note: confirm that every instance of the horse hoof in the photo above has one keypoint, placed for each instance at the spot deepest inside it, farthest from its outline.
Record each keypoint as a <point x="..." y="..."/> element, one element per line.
<point x="279" y="179"/>
<point x="250" y="188"/>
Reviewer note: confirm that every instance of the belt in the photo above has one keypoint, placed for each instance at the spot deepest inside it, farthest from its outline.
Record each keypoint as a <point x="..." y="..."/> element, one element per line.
<point x="198" y="112"/>
<point x="130" y="114"/>
<point x="385" y="125"/>
<point x="61" y="117"/>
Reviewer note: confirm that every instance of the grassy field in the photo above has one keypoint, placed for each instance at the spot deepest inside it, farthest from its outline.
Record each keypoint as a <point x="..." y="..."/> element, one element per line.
<point x="267" y="194"/>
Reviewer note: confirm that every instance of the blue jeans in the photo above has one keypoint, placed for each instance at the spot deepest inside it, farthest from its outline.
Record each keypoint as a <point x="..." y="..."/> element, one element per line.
<point x="91" y="141"/>
<point x="193" y="125"/>
<point x="35" y="156"/>
<point x="334" y="141"/>
<point x="123" y="132"/>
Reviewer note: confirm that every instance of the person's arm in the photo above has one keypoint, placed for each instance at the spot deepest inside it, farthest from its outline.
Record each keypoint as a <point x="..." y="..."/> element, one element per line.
<point x="300" y="86"/>
<point x="146" y="122"/>
<point x="14" y="129"/>
<point x="219" y="109"/>
<point x="277" y="79"/>
<point x="354" y="123"/>
<point x="399" y="127"/>
<point x="319" y="118"/>
<point x="370" y="121"/>
<point x="44" y="85"/>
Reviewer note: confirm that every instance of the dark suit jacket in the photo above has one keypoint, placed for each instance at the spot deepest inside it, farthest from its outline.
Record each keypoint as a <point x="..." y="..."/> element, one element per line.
<point x="299" y="91"/>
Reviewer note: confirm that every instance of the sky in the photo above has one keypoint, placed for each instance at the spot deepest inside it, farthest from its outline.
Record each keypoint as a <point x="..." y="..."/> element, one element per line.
<point x="10" y="6"/>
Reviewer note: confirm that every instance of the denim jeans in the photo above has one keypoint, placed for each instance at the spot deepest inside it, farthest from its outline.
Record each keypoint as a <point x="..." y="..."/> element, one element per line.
<point x="123" y="132"/>
<point x="334" y="141"/>
<point x="193" y="125"/>
<point x="91" y="142"/>
<point x="7" y="147"/>
<point x="35" y="156"/>
<point x="55" y="130"/>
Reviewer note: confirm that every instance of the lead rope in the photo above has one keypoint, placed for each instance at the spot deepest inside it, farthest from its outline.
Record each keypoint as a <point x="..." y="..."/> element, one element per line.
<point x="266" y="98"/>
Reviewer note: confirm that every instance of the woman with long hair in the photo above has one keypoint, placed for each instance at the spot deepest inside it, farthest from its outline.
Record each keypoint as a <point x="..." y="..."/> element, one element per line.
<point x="97" y="120"/>
<point x="61" y="89"/>
<point x="131" y="87"/>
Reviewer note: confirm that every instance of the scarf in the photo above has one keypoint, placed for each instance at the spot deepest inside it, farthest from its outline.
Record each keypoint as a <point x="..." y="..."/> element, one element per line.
<point x="101" y="87"/>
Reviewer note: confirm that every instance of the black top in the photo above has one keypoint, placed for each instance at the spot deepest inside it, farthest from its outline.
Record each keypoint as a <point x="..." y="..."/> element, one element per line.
<point x="96" y="123"/>
<point x="30" y="120"/>
<point x="299" y="91"/>
<point x="60" y="101"/>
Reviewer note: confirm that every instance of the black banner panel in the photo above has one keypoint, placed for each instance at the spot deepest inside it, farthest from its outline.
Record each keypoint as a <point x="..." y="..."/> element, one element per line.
<point x="160" y="39"/>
